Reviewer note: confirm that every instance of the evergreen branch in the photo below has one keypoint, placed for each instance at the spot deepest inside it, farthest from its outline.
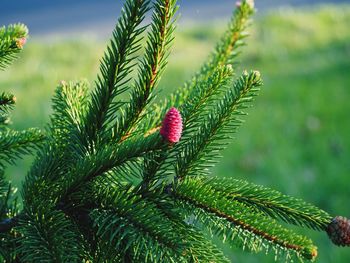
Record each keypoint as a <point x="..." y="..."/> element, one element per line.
<point x="151" y="67"/>
<point x="12" y="39"/>
<point x="9" y="219"/>
<point x="47" y="236"/>
<point x="232" y="39"/>
<point x="99" y="189"/>
<point x="3" y="185"/>
<point x="115" y="67"/>
<point x="201" y="89"/>
<point x="125" y="174"/>
<point x="6" y="102"/>
<point x="7" y="247"/>
<point x="258" y="228"/>
<point x="106" y="159"/>
<point x="154" y="223"/>
<point x="193" y="113"/>
<point x="145" y="246"/>
<point x="8" y="206"/>
<point x="69" y="106"/>
<point x="64" y="142"/>
<point x="13" y="144"/>
<point x="200" y="249"/>
<point x="203" y="95"/>
<point x="6" y="192"/>
<point x="153" y="165"/>
<point x="269" y="202"/>
<point x="85" y="169"/>
<point x="224" y="54"/>
<point x="4" y="120"/>
<point x="126" y="216"/>
<point x="198" y="151"/>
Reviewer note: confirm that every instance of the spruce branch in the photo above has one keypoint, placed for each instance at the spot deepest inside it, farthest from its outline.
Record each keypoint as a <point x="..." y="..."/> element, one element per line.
<point x="109" y="187"/>
<point x="153" y="217"/>
<point x="259" y="228"/>
<point x="8" y="219"/>
<point x="200" y="249"/>
<point x="6" y="101"/>
<point x="270" y="202"/>
<point x="130" y="217"/>
<point x="8" y="203"/>
<point x="7" y="247"/>
<point x="151" y="67"/>
<point x="152" y="165"/>
<point x="70" y="104"/>
<point x="124" y="174"/>
<point x="198" y="151"/>
<point x="203" y="96"/>
<point x="136" y="234"/>
<point x="64" y="140"/>
<point x="207" y="83"/>
<point x="14" y="144"/>
<point x="6" y="104"/>
<point x="3" y="184"/>
<point x="69" y="179"/>
<point x="225" y="52"/>
<point x="12" y="39"/>
<point x="47" y="236"/>
<point x="105" y="159"/>
<point x="193" y="113"/>
<point x="115" y="68"/>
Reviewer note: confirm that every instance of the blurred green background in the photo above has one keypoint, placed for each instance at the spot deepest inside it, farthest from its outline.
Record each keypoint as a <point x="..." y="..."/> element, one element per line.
<point x="296" y="137"/>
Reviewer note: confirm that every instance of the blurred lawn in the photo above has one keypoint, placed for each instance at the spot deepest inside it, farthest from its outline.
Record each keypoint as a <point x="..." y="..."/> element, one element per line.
<point x="295" y="139"/>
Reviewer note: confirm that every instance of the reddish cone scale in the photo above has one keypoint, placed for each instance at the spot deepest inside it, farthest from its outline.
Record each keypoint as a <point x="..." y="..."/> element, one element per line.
<point x="338" y="231"/>
<point x="172" y="126"/>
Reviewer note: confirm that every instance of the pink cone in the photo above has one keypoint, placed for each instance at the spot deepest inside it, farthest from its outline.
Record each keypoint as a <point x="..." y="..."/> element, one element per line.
<point x="172" y="126"/>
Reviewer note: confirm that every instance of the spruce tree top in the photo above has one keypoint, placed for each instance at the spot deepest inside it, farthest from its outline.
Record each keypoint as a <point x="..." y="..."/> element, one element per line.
<point x="118" y="180"/>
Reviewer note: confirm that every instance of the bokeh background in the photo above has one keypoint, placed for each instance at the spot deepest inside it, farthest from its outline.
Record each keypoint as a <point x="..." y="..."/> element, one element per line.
<point x="296" y="137"/>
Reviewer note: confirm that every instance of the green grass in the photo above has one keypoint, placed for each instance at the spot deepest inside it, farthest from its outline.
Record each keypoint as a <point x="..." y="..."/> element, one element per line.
<point x="295" y="139"/>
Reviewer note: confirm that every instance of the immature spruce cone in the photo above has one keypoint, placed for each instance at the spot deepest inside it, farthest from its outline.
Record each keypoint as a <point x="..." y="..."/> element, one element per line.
<point x="338" y="231"/>
<point x="172" y="126"/>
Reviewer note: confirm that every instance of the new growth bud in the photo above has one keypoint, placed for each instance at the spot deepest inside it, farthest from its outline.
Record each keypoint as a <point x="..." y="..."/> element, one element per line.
<point x="255" y="77"/>
<point x="21" y="42"/>
<point x="247" y="5"/>
<point x="257" y="74"/>
<point x="250" y="3"/>
<point x="172" y="126"/>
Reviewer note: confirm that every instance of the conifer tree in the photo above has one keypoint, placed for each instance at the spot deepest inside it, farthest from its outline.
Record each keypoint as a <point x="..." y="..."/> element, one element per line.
<point x="118" y="180"/>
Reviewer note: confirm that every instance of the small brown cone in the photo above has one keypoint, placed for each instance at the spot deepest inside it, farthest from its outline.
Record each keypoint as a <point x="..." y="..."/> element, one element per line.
<point x="338" y="231"/>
